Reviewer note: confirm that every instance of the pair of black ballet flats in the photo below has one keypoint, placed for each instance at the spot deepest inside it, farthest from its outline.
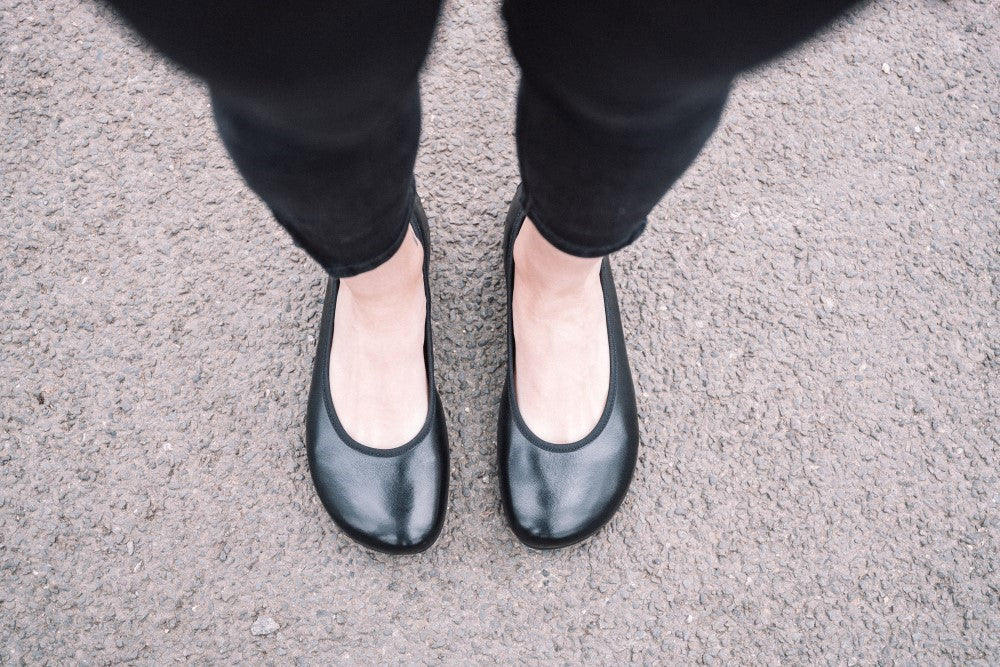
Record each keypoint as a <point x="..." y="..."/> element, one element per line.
<point x="394" y="500"/>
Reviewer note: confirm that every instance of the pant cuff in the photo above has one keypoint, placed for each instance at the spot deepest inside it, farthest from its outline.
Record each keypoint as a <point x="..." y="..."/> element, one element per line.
<point x="348" y="270"/>
<point x="338" y="269"/>
<point x="573" y="247"/>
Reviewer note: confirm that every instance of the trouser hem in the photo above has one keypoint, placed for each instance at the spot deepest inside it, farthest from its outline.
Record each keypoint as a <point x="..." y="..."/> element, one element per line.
<point x="342" y="270"/>
<point x="573" y="247"/>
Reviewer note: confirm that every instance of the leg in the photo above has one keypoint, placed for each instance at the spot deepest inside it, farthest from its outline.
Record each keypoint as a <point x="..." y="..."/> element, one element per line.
<point x="612" y="108"/>
<point x="318" y="105"/>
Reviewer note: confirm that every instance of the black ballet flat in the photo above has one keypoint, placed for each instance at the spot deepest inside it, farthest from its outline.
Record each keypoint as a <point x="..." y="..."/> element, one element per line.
<point x="390" y="500"/>
<point x="556" y="495"/>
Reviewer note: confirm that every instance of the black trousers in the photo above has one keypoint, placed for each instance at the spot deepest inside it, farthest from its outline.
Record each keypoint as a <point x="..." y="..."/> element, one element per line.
<point x="318" y="104"/>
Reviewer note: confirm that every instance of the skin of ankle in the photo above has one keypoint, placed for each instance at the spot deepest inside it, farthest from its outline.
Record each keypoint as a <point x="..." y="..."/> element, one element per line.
<point x="557" y="295"/>
<point x="376" y="370"/>
<point x="396" y="281"/>
<point x="547" y="273"/>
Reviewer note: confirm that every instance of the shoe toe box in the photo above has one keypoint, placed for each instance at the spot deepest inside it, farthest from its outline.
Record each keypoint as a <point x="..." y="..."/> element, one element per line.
<point x="389" y="500"/>
<point x="556" y="497"/>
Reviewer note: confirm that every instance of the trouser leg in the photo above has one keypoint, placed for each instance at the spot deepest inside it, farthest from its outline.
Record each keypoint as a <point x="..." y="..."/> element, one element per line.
<point x="617" y="99"/>
<point x="318" y="105"/>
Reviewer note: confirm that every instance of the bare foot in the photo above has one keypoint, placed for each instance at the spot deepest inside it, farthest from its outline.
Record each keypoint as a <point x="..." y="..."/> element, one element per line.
<point x="562" y="366"/>
<point x="378" y="380"/>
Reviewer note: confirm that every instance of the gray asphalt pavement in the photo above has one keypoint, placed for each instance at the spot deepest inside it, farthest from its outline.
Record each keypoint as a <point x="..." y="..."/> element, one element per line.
<point x="812" y="320"/>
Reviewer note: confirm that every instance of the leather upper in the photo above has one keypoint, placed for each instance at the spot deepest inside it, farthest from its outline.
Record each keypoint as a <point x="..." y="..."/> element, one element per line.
<point x="391" y="500"/>
<point x="558" y="494"/>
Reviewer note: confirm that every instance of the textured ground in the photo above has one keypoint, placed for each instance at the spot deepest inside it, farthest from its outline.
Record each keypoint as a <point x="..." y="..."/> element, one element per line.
<point x="812" y="319"/>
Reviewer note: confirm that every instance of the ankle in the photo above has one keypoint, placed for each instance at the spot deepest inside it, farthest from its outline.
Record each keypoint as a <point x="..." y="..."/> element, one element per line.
<point x="546" y="274"/>
<point x="404" y="297"/>
<point x="393" y="284"/>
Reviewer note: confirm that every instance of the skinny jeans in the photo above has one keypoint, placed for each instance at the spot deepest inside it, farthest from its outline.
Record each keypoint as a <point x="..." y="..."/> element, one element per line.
<point x="318" y="104"/>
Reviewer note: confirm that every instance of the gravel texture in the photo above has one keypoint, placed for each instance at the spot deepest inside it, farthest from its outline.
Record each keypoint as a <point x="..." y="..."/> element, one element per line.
<point x="812" y="320"/>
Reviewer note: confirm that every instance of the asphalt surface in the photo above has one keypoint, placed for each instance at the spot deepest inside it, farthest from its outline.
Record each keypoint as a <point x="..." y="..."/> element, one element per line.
<point x="812" y="320"/>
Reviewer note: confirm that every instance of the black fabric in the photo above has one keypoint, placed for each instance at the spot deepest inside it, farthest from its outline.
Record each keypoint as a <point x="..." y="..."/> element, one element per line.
<point x="318" y="104"/>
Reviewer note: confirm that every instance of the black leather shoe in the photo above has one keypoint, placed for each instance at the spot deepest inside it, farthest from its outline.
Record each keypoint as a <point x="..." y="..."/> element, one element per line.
<point x="391" y="500"/>
<point x="556" y="495"/>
